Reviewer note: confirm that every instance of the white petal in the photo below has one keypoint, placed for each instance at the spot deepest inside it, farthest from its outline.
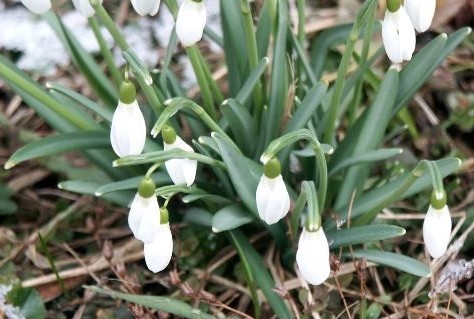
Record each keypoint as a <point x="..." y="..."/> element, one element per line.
<point x="144" y="7"/>
<point x="190" y="22"/>
<point x="312" y="256"/>
<point x="437" y="230"/>
<point x="128" y="131"/>
<point x="273" y="201"/>
<point x="150" y="220"/>
<point x="135" y="214"/>
<point x="181" y="171"/>
<point x="37" y="6"/>
<point x="421" y="13"/>
<point x="158" y="252"/>
<point x="398" y="35"/>
<point x="84" y="7"/>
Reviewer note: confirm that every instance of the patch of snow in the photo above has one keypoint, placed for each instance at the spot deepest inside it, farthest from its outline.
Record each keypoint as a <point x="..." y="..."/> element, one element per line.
<point x="11" y="312"/>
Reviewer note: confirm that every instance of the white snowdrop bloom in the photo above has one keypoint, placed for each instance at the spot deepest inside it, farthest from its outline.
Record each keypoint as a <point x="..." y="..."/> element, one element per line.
<point x="158" y="252"/>
<point x="421" y="13"/>
<point x="398" y="35"/>
<point x="437" y="230"/>
<point x="144" y="217"/>
<point x="190" y="22"/>
<point x="37" y="6"/>
<point x="128" y="131"/>
<point x="144" y="7"/>
<point x="84" y="7"/>
<point x="312" y="256"/>
<point x="182" y="171"/>
<point x="273" y="201"/>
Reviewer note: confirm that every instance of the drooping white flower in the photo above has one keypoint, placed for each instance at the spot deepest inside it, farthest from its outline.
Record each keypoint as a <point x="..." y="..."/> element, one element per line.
<point x="144" y="7"/>
<point x="158" y="252"/>
<point x="437" y="230"/>
<point x="84" y="7"/>
<point x="37" y="6"/>
<point x="182" y="171"/>
<point x="144" y="217"/>
<point x="273" y="201"/>
<point x="421" y="13"/>
<point x="128" y="131"/>
<point x="398" y="35"/>
<point x="312" y="256"/>
<point x="190" y="22"/>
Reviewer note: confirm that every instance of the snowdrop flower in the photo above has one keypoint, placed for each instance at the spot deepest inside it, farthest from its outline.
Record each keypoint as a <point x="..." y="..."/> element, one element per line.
<point x="144" y="7"/>
<point x="312" y="256"/>
<point x="37" y="6"/>
<point x="158" y="252"/>
<point x="144" y="215"/>
<point x="190" y="22"/>
<point x="437" y="230"/>
<point x="181" y="170"/>
<point x="128" y="131"/>
<point x="398" y="34"/>
<point x="421" y="13"/>
<point x="84" y="7"/>
<point x="273" y="201"/>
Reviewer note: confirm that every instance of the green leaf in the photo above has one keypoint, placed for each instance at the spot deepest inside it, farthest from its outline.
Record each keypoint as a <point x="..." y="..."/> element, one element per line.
<point x="372" y="199"/>
<point x="260" y="274"/>
<point x="369" y="135"/>
<point x="362" y="234"/>
<point x="84" y="62"/>
<point x="122" y="198"/>
<point x="241" y="124"/>
<point x="28" y="300"/>
<point x="216" y="199"/>
<point x="367" y="157"/>
<point x="7" y="207"/>
<point x="198" y="216"/>
<point x="253" y="79"/>
<point x="400" y="262"/>
<point x="57" y="144"/>
<point x="416" y="72"/>
<point x="230" y="217"/>
<point x="165" y="304"/>
<point x="82" y="100"/>
<point x="163" y="156"/>
<point x="244" y="173"/>
<point x="160" y="178"/>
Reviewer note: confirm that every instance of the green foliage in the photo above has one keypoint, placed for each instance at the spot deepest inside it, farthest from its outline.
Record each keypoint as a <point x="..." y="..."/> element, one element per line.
<point x="28" y="301"/>
<point x="274" y="107"/>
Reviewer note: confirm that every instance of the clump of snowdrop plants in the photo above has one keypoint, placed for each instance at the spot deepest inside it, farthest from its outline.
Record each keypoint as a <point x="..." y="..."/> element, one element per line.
<point x="268" y="147"/>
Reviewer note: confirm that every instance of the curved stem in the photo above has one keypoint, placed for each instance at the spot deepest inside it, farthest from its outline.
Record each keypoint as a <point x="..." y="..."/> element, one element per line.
<point x="109" y="24"/>
<point x="321" y="166"/>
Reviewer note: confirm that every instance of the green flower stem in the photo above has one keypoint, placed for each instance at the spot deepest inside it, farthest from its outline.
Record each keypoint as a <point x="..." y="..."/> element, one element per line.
<point x="43" y="97"/>
<point x="301" y="7"/>
<point x="109" y="24"/>
<point x="321" y="167"/>
<point x="176" y="104"/>
<point x="171" y="190"/>
<point x="199" y="71"/>
<point x="152" y="169"/>
<point x="106" y="53"/>
<point x="314" y="216"/>
<point x="330" y="131"/>
<point x="361" y="61"/>
<point x="215" y="90"/>
<point x="437" y="180"/>
<point x="252" y="52"/>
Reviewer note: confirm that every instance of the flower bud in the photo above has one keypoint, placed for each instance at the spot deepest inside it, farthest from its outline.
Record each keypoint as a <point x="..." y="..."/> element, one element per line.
<point x="190" y="22"/>
<point x="437" y="230"/>
<point x="128" y="131"/>
<point x="158" y="252"/>
<point x="144" y="7"/>
<point x="312" y="256"/>
<point x="84" y="7"/>
<point x="273" y="200"/>
<point x="398" y="35"/>
<point x="182" y="171"/>
<point x="421" y="13"/>
<point x="37" y="6"/>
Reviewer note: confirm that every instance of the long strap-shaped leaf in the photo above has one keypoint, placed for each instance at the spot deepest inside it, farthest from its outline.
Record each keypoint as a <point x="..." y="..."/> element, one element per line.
<point x="166" y="304"/>
<point x="58" y="144"/>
